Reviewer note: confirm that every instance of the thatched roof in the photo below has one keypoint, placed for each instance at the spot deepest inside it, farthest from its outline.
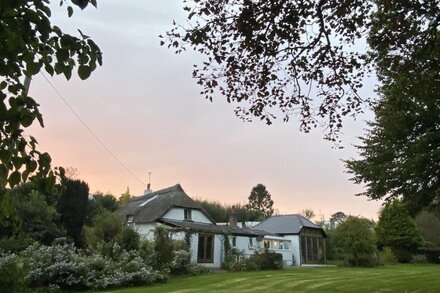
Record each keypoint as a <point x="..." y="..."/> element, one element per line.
<point x="151" y="207"/>
<point x="287" y="224"/>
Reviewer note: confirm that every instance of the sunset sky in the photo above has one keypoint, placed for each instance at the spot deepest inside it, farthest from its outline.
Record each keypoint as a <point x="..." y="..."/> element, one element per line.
<point x="145" y="107"/>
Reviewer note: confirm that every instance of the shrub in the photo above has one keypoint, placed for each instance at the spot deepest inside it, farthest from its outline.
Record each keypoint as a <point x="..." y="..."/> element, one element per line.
<point x="182" y="265"/>
<point x="268" y="260"/>
<point x="244" y="264"/>
<point x="65" y="268"/>
<point x="386" y="256"/>
<point x="397" y="229"/>
<point x="163" y="246"/>
<point x="432" y="252"/>
<point x="181" y="262"/>
<point x="11" y="273"/>
<point x="355" y="242"/>
<point x="419" y="258"/>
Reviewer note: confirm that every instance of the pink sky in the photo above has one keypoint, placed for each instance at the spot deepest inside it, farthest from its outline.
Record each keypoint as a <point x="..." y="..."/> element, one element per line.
<point x="143" y="104"/>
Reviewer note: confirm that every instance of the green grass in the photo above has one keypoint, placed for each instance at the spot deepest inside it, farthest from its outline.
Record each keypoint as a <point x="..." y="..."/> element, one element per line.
<point x="391" y="278"/>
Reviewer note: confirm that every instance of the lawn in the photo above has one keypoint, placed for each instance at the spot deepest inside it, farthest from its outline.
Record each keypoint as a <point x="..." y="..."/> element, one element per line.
<point x="391" y="278"/>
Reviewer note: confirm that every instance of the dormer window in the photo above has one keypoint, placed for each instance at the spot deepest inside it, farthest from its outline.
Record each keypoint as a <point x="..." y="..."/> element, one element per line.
<point x="129" y="219"/>
<point x="187" y="215"/>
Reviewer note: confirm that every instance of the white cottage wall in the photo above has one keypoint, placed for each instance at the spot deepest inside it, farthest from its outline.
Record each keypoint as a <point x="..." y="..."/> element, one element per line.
<point x="146" y="231"/>
<point x="295" y="248"/>
<point x="178" y="214"/>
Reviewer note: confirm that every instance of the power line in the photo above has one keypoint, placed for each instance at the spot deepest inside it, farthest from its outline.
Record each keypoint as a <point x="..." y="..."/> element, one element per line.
<point x="90" y="130"/>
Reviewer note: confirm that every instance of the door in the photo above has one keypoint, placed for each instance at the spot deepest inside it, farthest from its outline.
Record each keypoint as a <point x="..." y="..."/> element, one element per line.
<point x="205" y="249"/>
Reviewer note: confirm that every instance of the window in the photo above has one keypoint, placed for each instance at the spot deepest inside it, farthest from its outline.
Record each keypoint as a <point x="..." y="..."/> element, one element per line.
<point x="312" y="249"/>
<point x="129" y="219"/>
<point x="187" y="215"/>
<point x="205" y="249"/>
<point x="266" y="244"/>
<point x="251" y="243"/>
<point x="234" y="241"/>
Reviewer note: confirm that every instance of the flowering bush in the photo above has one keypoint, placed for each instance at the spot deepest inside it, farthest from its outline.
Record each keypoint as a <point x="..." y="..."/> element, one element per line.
<point x="181" y="264"/>
<point x="64" y="267"/>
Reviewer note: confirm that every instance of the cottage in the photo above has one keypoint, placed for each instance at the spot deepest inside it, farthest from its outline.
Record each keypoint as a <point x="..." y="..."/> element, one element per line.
<point x="297" y="239"/>
<point x="172" y="207"/>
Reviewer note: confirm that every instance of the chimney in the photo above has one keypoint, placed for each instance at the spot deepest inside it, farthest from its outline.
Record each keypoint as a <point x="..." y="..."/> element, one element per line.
<point x="233" y="217"/>
<point x="148" y="190"/>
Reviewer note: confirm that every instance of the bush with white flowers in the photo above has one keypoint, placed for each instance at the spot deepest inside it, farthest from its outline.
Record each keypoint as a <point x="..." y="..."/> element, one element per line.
<point x="64" y="267"/>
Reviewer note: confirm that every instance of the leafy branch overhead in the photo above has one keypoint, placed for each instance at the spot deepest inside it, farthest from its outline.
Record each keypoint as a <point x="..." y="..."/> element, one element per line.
<point x="278" y="58"/>
<point x="31" y="43"/>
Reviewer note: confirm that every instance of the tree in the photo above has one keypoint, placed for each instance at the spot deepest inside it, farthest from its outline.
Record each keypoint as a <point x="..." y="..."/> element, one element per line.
<point x="275" y="58"/>
<point x="354" y="241"/>
<point x="399" y="155"/>
<point x="125" y="197"/>
<point x="337" y="218"/>
<point x="26" y="216"/>
<point x="260" y="200"/>
<point x="397" y="230"/>
<point x="30" y="43"/>
<point x="309" y="214"/>
<point x="72" y="205"/>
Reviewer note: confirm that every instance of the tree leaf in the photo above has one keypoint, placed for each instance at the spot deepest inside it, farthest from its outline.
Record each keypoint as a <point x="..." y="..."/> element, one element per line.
<point x="69" y="11"/>
<point x="14" y="178"/>
<point x="84" y="71"/>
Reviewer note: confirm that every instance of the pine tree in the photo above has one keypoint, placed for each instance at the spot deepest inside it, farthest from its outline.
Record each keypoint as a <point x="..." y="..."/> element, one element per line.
<point x="260" y="200"/>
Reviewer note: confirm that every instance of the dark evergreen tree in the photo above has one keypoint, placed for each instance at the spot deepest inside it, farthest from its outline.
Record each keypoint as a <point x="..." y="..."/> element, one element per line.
<point x="260" y="200"/>
<point x="397" y="230"/>
<point x="72" y="206"/>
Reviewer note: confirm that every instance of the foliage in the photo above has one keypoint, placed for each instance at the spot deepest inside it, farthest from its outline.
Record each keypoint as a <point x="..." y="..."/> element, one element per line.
<point x="182" y="265"/>
<point x="428" y="223"/>
<point x="242" y="265"/>
<point x="269" y="54"/>
<point x="66" y="268"/>
<point x="100" y="203"/>
<point x="72" y="206"/>
<point x="32" y="43"/>
<point x="337" y="218"/>
<point x="11" y="273"/>
<point x="26" y="216"/>
<point x="386" y="256"/>
<point x="398" y="230"/>
<point x="260" y="200"/>
<point x="267" y="260"/>
<point x="109" y="228"/>
<point x="355" y="242"/>
<point x="399" y="157"/>
<point x="220" y="212"/>
<point x="124" y="198"/>
<point x="309" y="214"/>
<point x="163" y="245"/>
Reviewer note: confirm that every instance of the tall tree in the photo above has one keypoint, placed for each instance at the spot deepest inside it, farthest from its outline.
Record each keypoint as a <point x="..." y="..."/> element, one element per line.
<point x="397" y="230"/>
<point x="260" y="200"/>
<point x="31" y="43"/>
<point x="337" y="218"/>
<point x="125" y="197"/>
<point x="275" y="58"/>
<point x="72" y="205"/>
<point x="400" y="155"/>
